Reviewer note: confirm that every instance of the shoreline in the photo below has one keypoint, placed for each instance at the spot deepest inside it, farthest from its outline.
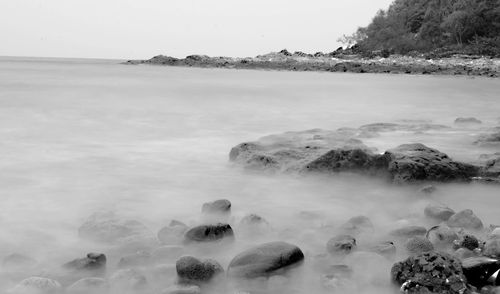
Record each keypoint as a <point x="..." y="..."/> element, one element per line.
<point x="284" y="61"/>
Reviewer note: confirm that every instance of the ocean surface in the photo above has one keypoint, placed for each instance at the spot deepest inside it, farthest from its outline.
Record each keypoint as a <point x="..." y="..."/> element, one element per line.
<point x="151" y="143"/>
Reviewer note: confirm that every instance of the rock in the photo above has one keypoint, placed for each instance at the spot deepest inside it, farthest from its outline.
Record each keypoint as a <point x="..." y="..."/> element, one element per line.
<point x="264" y="260"/>
<point x="357" y="225"/>
<point x="492" y="247"/>
<point x="387" y="249"/>
<point x="469" y="242"/>
<point x="253" y="220"/>
<point x="126" y="280"/>
<point x="192" y="270"/>
<point x="492" y="167"/>
<point x="88" y="285"/>
<point x="481" y="271"/>
<point x="167" y="253"/>
<point x="18" y="261"/>
<point x="429" y="189"/>
<point x="430" y="273"/>
<point x="221" y="206"/>
<point x="409" y="232"/>
<point x="465" y="219"/>
<point x="380" y="127"/>
<point x="467" y="120"/>
<point x="209" y="233"/>
<point x="37" y="285"/>
<point x="107" y="227"/>
<point x="140" y="258"/>
<point x="442" y="236"/>
<point x="418" y="245"/>
<point x="463" y="253"/>
<point x="337" y="277"/>
<point x="342" y="244"/>
<point x="438" y="212"/>
<point x="489" y="139"/>
<point x="93" y="261"/>
<point x="182" y="289"/>
<point x="173" y="233"/>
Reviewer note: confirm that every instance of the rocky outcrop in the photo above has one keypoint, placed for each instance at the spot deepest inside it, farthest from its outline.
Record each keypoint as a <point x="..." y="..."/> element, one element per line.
<point x="319" y="151"/>
<point x="263" y="260"/>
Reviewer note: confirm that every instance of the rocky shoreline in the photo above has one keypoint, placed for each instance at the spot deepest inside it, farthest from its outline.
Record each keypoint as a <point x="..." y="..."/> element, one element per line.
<point x="339" y="62"/>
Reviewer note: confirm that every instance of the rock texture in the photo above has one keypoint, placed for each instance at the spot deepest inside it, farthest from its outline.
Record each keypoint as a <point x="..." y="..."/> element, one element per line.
<point x="209" y="233"/>
<point x="192" y="270"/>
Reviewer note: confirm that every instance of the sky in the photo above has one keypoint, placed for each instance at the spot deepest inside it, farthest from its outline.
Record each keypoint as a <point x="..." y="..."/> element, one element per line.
<point x="140" y="29"/>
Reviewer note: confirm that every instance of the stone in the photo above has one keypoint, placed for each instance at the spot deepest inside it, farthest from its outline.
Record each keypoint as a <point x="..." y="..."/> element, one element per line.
<point x="357" y="225"/>
<point x="173" y="233"/>
<point x="489" y="139"/>
<point x="108" y="228"/>
<point x="465" y="219"/>
<point x="265" y="260"/>
<point x="127" y="279"/>
<point x="342" y="244"/>
<point x="37" y="285"/>
<point x="467" y="120"/>
<point x="438" y="212"/>
<point x="418" y="245"/>
<point x="467" y="241"/>
<point x="408" y="232"/>
<point x="430" y="272"/>
<point x="442" y="236"/>
<point x="253" y="220"/>
<point x="387" y="249"/>
<point x="18" y="261"/>
<point x="93" y="261"/>
<point x="221" y="206"/>
<point x="480" y="271"/>
<point x="209" y="233"/>
<point x="192" y="270"/>
<point x="88" y="285"/>
<point x="492" y="247"/>
<point x="182" y="289"/>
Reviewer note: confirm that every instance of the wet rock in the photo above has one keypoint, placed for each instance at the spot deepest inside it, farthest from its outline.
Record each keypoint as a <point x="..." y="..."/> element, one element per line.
<point x="467" y="120"/>
<point x="209" y="233"/>
<point x="264" y="260"/>
<point x="442" y="236"/>
<point x="140" y="258"/>
<point x="167" y="253"/>
<point x="93" y="261"/>
<point x="221" y="206"/>
<point x="182" y="289"/>
<point x="430" y="273"/>
<point x="429" y="189"/>
<point x="409" y="232"/>
<point x="173" y="233"/>
<point x="438" y="212"/>
<point x="37" y="285"/>
<point x="127" y="279"/>
<point x="18" y="261"/>
<point x="107" y="227"/>
<point x="469" y="242"/>
<point x="342" y="244"/>
<point x="387" y="249"/>
<point x="418" y="245"/>
<point x="192" y="270"/>
<point x="492" y="247"/>
<point x="481" y="271"/>
<point x="357" y="225"/>
<point x="465" y="219"/>
<point x="88" y="285"/>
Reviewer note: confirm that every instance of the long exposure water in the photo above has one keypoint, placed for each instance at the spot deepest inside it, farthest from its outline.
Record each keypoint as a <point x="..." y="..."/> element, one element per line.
<point x="151" y="143"/>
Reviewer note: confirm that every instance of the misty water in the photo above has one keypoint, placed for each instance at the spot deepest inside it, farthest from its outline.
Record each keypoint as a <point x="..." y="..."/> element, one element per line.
<point x="151" y="143"/>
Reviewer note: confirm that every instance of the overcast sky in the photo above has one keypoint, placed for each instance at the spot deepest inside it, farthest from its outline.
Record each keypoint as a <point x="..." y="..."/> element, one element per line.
<point x="143" y="28"/>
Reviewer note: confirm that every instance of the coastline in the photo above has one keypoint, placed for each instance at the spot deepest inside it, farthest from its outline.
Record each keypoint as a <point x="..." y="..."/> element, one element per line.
<point x="285" y="61"/>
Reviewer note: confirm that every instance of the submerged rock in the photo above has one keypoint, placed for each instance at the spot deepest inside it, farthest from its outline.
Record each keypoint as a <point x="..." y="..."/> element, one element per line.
<point x="37" y="285"/>
<point x="139" y="258"/>
<point x="93" y="261"/>
<point x="467" y="120"/>
<point x="221" y="206"/>
<point x="429" y="189"/>
<point x="209" y="233"/>
<point x="387" y="249"/>
<point x="465" y="219"/>
<point x="18" y="261"/>
<point x="192" y="270"/>
<point x="430" y="273"/>
<point x="264" y="260"/>
<point x="173" y="233"/>
<point x="182" y="289"/>
<point x="342" y="244"/>
<point x="127" y="279"/>
<point x="439" y="212"/>
<point x="358" y="224"/>
<point x="88" y="285"/>
<point x="409" y="232"/>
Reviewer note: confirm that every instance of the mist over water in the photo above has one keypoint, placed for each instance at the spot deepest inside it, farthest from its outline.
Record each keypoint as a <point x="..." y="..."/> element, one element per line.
<point x="152" y="143"/>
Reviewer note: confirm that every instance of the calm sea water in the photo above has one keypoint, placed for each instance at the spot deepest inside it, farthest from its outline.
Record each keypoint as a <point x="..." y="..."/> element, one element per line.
<point x="152" y="143"/>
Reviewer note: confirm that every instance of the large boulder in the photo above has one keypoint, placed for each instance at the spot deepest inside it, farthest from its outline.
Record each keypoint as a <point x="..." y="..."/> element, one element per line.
<point x="264" y="260"/>
<point x="430" y="272"/>
<point x="192" y="270"/>
<point x="209" y="233"/>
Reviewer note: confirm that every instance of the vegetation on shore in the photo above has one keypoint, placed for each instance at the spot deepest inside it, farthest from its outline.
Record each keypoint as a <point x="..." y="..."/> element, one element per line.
<point x="439" y="28"/>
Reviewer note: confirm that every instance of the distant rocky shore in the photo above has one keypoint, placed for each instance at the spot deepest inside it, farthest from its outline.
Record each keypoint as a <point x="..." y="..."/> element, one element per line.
<point x="339" y="61"/>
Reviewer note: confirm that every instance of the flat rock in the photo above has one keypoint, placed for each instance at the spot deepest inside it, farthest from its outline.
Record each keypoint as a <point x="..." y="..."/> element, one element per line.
<point x="465" y="219"/>
<point x="192" y="270"/>
<point x="265" y="260"/>
<point x="209" y="233"/>
<point x="467" y="120"/>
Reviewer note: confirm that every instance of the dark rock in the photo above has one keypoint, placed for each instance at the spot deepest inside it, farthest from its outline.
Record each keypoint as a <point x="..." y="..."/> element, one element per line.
<point x="467" y="120"/>
<point x="217" y="206"/>
<point x="209" y="233"/>
<point x="88" y="285"/>
<point x="37" y="285"/>
<point x="430" y="273"/>
<point x="418" y="245"/>
<point x="465" y="219"/>
<point x="18" y="261"/>
<point x="481" y="271"/>
<point x="469" y="242"/>
<point x="93" y="261"/>
<point x="439" y="212"/>
<point x="409" y="232"/>
<point x="192" y="270"/>
<point x="263" y="260"/>
<point x="126" y="280"/>
<point x="139" y="258"/>
<point x="173" y="233"/>
<point x="442" y="236"/>
<point x="342" y="244"/>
